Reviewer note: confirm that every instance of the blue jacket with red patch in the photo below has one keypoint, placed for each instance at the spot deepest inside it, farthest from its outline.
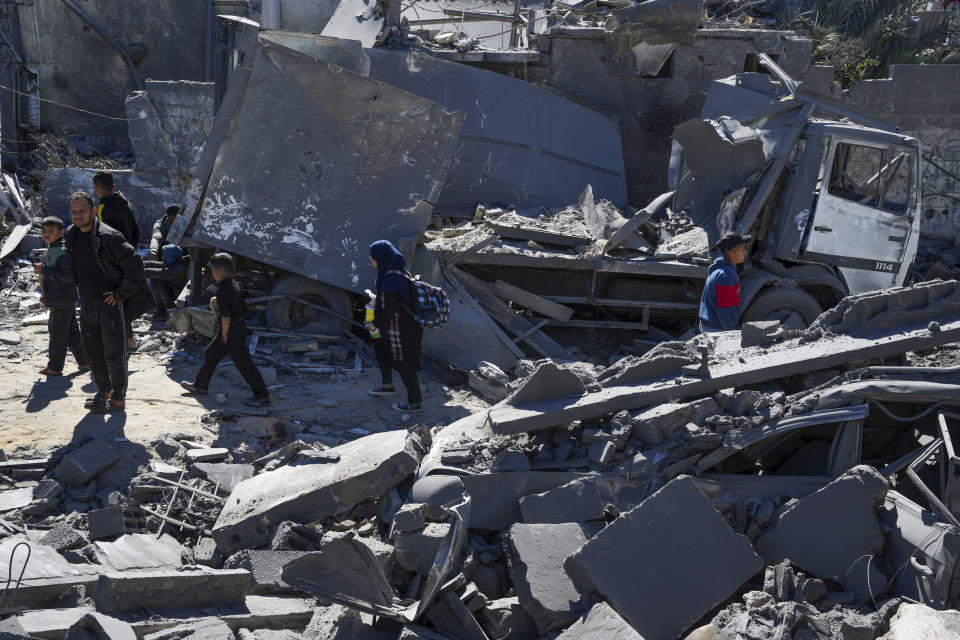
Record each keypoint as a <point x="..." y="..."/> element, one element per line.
<point x="720" y="304"/>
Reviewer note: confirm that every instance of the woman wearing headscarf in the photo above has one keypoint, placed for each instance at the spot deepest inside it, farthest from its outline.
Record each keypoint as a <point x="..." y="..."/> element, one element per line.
<point x="398" y="346"/>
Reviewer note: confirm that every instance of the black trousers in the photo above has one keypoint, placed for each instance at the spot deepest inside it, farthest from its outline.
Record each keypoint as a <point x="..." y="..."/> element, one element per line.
<point x="164" y="293"/>
<point x="407" y="371"/>
<point x="103" y="332"/>
<point x="237" y="348"/>
<point x="64" y="332"/>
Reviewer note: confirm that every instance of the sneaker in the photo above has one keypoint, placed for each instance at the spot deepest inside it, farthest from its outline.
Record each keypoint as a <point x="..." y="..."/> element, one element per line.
<point x="382" y="390"/>
<point x="193" y="389"/>
<point x="256" y="402"/>
<point x="406" y="406"/>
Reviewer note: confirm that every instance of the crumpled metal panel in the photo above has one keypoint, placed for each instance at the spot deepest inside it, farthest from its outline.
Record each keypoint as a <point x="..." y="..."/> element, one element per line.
<point x="519" y="144"/>
<point x="659" y="21"/>
<point x="319" y="162"/>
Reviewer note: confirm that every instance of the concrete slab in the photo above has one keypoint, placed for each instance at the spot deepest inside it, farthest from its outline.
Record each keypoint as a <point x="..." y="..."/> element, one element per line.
<point x="158" y="590"/>
<point x="536" y="553"/>
<point x="82" y="465"/>
<point x="576" y="501"/>
<point x="46" y="577"/>
<point x="416" y="550"/>
<point x="833" y="532"/>
<point x="266" y="569"/>
<point x="105" y="523"/>
<point x="729" y="366"/>
<point x="920" y="621"/>
<point x="11" y="499"/>
<point x="203" y="629"/>
<point x="140" y="551"/>
<point x="496" y="496"/>
<point x="226" y="474"/>
<point x="600" y="623"/>
<point x="96" y="626"/>
<point x="665" y="563"/>
<point x="369" y="467"/>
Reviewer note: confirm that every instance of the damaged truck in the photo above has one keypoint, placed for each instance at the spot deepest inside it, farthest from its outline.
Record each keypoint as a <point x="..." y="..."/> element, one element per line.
<point x="380" y="143"/>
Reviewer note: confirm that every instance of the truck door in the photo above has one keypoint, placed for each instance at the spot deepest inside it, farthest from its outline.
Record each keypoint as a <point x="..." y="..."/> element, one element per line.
<point x="863" y="214"/>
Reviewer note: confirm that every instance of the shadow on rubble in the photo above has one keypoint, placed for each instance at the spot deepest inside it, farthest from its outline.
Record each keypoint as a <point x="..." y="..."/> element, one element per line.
<point x="47" y="389"/>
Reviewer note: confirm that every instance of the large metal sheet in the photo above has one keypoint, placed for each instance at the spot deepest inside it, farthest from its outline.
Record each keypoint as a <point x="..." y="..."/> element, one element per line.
<point x="319" y="162"/>
<point x="519" y="144"/>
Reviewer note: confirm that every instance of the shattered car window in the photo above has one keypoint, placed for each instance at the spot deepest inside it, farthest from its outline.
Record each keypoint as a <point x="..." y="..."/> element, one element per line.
<point x="898" y="182"/>
<point x="855" y="173"/>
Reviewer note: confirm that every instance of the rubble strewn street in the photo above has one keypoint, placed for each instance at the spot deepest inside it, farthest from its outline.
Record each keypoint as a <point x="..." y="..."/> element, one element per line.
<point x="674" y="306"/>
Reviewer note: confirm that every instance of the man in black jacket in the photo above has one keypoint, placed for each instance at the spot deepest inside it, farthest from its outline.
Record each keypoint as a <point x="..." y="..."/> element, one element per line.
<point x="117" y="212"/>
<point x="109" y="275"/>
<point x="60" y="298"/>
<point x="161" y="228"/>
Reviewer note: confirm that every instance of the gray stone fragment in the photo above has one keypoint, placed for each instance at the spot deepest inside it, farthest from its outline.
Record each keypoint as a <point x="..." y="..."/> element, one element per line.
<point x="205" y="552"/>
<point x="505" y="618"/>
<point x="602" y="452"/>
<point x="915" y="621"/>
<point x="409" y="518"/>
<point x="266" y="569"/>
<point x="833" y="532"/>
<point x="202" y="629"/>
<point x="762" y="332"/>
<point x="63" y="537"/>
<point x="689" y="558"/>
<point x="207" y="453"/>
<point x="84" y="464"/>
<point x="159" y="590"/>
<point x="47" y="488"/>
<point x="536" y="556"/>
<point x="96" y="626"/>
<point x="140" y="551"/>
<point x="105" y="523"/>
<point x="9" y="337"/>
<point x="228" y="476"/>
<point x="369" y="467"/>
<point x="511" y="460"/>
<point x="434" y="491"/>
<point x="415" y="551"/>
<point x="334" y="622"/>
<point x="576" y="501"/>
<point x="548" y="381"/>
<point x="600" y="623"/>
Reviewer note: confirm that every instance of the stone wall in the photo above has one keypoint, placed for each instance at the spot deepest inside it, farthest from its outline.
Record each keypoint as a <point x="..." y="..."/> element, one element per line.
<point x="79" y="69"/>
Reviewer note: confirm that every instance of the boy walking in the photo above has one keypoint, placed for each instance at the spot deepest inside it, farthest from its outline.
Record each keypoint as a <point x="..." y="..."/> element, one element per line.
<point x="60" y="297"/>
<point x="231" y="336"/>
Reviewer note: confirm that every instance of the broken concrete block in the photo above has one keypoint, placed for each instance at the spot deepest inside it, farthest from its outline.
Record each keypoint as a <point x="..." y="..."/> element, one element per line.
<point x="334" y="622"/>
<point x="96" y="626"/>
<point x="576" y="501"/>
<point x="652" y="425"/>
<point x="435" y="491"/>
<point x="228" y="476"/>
<point x="833" y="532"/>
<point x="762" y="332"/>
<point x="505" y="618"/>
<point x="105" y="523"/>
<point x="201" y="629"/>
<point x="205" y="552"/>
<point x="368" y="468"/>
<point x="600" y="623"/>
<point x="409" y="517"/>
<point x="206" y="454"/>
<point x="491" y="579"/>
<point x="140" y="551"/>
<point x="266" y="569"/>
<point x="602" y="452"/>
<point x="82" y="465"/>
<point x="416" y="551"/>
<point x="689" y="557"/>
<point x="496" y="496"/>
<point x="511" y="460"/>
<point x="912" y="621"/>
<point x="450" y="616"/>
<point x="492" y="390"/>
<point x="548" y="381"/>
<point x="47" y="488"/>
<point x="63" y="537"/>
<point x="536" y="556"/>
<point x="9" y="337"/>
<point x="159" y="590"/>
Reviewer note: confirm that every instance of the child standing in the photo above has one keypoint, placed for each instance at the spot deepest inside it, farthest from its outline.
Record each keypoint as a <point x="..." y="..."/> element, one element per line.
<point x="60" y="297"/>
<point x="231" y="336"/>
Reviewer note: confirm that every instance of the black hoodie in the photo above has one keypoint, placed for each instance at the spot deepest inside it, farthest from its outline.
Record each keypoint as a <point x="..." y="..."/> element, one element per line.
<point x="117" y="212"/>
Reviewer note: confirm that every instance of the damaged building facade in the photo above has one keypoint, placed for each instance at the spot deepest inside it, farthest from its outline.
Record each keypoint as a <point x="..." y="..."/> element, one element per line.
<point x="589" y="465"/>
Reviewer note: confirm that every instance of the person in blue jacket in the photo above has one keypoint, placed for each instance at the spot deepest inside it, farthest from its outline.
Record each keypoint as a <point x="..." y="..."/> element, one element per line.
<point x="720" y="304"/>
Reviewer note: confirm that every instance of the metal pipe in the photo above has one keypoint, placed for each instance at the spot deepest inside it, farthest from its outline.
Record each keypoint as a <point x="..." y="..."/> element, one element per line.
<point x="208" y="56"/>
<point x="110" y="40"/>
<point x="270" y="14"/>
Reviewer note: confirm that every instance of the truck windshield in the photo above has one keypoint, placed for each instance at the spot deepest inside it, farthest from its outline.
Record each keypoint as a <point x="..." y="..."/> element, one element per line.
<point x="872" y="176"/>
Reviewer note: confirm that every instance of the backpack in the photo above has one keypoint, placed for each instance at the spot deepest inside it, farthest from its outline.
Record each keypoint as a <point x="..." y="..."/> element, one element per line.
<point x="431" y="306"/>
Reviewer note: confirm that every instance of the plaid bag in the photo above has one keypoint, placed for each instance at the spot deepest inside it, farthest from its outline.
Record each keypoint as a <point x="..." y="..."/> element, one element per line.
<point x="431" y="306"/>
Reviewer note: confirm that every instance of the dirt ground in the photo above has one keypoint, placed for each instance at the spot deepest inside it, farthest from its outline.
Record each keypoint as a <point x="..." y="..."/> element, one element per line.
<point x="38" y="414"/>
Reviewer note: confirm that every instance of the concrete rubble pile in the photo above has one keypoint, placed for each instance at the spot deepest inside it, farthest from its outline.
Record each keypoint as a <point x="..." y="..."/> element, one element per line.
<point x="656" y="498"/>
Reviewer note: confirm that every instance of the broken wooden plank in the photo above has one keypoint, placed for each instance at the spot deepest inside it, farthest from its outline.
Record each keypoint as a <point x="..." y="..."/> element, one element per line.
<point x="601" y="324"/>
<point x="538" y="235"/>
<point x="532" y="301"/>
<point x="499" y="311"/>
<point x="614" y="302"/>
<point x="631" y="225"/>
<point x="484" y="317"/>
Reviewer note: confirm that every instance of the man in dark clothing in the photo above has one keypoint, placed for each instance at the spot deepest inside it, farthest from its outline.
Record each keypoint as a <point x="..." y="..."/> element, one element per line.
<point x="60" y="298"/>
<point x="117" y="212"/>
<point x="720" y="304"/>
<point x="161" y="228"/>
<point x="167" y="278"/>
<point x="231" y="336"/>
<point x="401" y="336"/>
<point x="109" y="275"/>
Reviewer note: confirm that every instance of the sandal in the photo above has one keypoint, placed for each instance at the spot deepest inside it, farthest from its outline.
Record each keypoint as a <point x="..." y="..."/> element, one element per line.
<point x="111" y="406"/>
<point x="47" y="371"/>
<point x="97" y="401"/>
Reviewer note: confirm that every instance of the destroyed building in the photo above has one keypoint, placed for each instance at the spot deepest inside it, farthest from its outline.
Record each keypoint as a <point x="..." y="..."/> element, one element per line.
<point x="587" y="464"/>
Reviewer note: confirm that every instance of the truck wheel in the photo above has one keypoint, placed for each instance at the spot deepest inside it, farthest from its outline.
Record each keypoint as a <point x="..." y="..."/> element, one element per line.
<point x="794" y="308"/>
<point x="290" y="315"/>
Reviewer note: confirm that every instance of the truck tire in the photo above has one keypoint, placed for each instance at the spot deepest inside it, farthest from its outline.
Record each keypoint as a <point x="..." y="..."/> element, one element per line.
<point x="794" y="308"/>
<point x="293" y="316"/>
